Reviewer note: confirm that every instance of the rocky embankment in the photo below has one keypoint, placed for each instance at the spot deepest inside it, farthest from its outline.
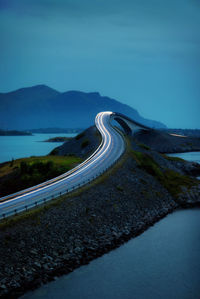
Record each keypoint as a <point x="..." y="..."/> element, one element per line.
<point x="141" y="189"/>
<point x="82" y="145"/>
<point x="163" y="142"/>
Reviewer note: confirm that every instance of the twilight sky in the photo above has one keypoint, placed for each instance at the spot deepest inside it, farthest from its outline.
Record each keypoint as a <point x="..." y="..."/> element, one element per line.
<point x="145" y="53"/>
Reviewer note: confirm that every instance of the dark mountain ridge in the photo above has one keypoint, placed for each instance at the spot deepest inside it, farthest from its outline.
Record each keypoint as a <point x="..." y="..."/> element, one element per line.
<point x="38" y="91"/>
<point x="41" y="107"/>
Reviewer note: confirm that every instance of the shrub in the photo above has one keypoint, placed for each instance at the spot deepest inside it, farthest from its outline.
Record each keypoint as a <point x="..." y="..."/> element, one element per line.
<point x="119" y="188"/>
<point x="147" y="163"/>
<point x="173" y="158"/>
<point x="144" y="146"/>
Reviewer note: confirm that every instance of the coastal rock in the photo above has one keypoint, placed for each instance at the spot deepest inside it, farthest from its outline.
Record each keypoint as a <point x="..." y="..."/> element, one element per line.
<point x="86" y="225"/>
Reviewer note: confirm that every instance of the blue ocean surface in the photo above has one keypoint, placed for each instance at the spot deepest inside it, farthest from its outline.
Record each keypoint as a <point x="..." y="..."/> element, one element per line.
<point x="161" y="263"/>
<point x="14" y="147"/>
<point x="190" y="156"/>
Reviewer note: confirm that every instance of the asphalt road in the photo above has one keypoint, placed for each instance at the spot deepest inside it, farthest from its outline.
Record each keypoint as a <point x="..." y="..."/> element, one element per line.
<point x="110" y="149"/>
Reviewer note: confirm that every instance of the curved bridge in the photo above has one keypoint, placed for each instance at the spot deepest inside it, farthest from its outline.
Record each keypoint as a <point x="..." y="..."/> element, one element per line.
<point x="109" y="151"/>
<point x="129" y="125"/>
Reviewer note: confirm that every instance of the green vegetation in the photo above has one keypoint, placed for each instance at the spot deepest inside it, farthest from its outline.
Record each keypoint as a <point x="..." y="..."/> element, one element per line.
<point x="173" y="181"/>
<point x="85" y="143"/>
<point x="147" y="163"/>
<point x="173" y="158"/>
<point x="120" y="188"/>
<point x="170" y="179"/>
<point x="144" y="146"/>
<point x="37" y="212"/>
<point x="24" y="173"/>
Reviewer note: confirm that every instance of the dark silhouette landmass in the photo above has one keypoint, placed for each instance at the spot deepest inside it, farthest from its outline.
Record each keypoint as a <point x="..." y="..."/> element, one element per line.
<point x="160" y="141"/>
<point x="55" y="130"/>
<point x="167" y="141"/>
<point x="43" y="107"/>
<point x="184" y="132"/>
<point x="82" y="145"/>
<point x="14" y="133"/>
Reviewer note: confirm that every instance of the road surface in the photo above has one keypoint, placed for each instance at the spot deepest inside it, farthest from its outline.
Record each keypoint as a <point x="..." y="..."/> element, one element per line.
<point x="111" y="148"/>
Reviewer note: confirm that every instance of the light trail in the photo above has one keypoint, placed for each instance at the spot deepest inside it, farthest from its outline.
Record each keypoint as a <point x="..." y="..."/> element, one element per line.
<point x="87" y="169"/>
<point x="110" y="149"/>
<point x="75" y="171"/>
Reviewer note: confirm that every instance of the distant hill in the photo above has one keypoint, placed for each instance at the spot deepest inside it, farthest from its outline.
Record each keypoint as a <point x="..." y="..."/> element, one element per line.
<point x="43" y="107"/>
<point x="14" y="133"/>
<point x="55" y="130"/>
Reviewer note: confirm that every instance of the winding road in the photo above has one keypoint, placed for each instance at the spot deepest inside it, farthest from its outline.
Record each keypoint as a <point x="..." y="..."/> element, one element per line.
<point x="109" y="151"/>
<point x="111" y="148"/>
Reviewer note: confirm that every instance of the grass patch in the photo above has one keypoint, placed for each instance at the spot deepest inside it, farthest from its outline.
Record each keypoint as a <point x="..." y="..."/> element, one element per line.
<point x="31" y="171"/>
<point x="120" y="188"/>
<point x="173" y="181"/>
<point x="58" y="161"/>
<point x="147" y="163"/>
<point x="37" y="212"/>
<point x="32" y="214"/>
<point x="169" y="158"/>
<point x="144" y="146"/>
<point x="170" y="179"/>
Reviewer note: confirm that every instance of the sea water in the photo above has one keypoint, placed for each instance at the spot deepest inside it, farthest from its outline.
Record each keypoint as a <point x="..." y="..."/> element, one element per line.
<point x="14" y="147"/>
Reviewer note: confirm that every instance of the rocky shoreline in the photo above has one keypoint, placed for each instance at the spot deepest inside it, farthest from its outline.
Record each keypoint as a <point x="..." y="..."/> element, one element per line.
<point x="84" y="225"/>
<point x="164" y="142"/>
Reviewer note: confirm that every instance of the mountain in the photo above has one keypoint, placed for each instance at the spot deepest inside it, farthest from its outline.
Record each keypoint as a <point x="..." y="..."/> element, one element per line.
<point x="43" y="107"/>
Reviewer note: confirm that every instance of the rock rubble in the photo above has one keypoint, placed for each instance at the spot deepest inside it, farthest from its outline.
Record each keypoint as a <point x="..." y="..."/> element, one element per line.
<point x="86" y="225"/>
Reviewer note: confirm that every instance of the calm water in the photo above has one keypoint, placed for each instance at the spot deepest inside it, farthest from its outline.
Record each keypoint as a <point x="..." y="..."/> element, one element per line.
<point x="191" y="156"/>
<point x="14" y="147"/>
<point x="164" y="262"/>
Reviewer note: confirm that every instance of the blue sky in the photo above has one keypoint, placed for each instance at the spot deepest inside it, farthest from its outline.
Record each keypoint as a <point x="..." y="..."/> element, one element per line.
<point x="145" y="53"/>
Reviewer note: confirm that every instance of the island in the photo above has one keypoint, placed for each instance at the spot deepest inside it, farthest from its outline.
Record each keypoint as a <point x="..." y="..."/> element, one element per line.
<point x="14" y="133"/>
